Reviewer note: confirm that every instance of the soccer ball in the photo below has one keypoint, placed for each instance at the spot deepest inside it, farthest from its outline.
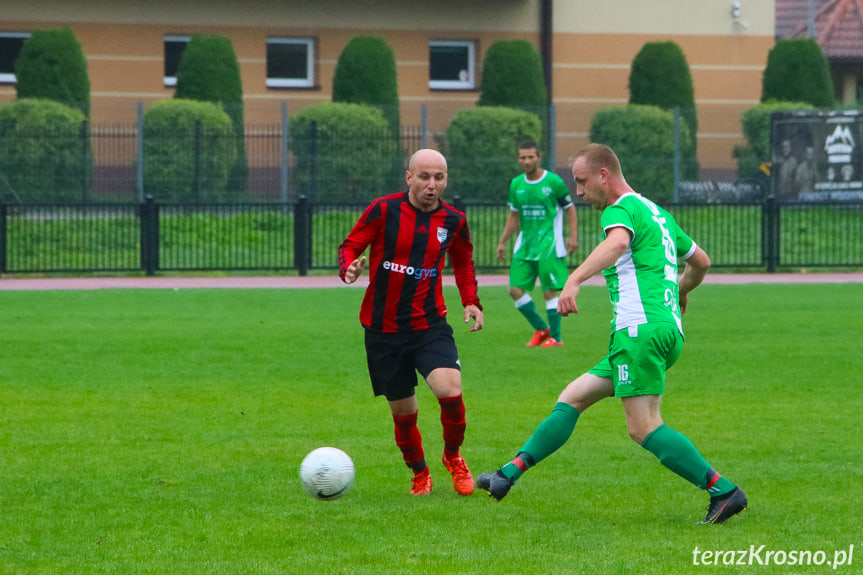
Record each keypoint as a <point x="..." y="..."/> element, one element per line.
<point x="327" y="473"/>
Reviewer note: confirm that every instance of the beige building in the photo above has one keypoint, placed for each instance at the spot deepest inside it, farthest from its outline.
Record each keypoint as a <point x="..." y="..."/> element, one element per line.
<point x="288" y="51"/>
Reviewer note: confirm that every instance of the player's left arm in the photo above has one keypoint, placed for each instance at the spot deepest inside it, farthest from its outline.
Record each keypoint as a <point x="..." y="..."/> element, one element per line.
<point x="572" y="219"/>
<point x="461" y="256"/>
<point x="564" y="202"/>
<point x="694" y="270"/>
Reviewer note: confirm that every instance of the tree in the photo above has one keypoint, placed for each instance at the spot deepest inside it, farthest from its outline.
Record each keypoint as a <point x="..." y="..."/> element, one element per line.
<point x="660" y="77"/>
<point x="52" y="65"/>
<point x="366" y="74"/>
<point x="41" y="157"/>
<point x="642" y="136"/>
<point x="512" y="76"/>
<point x="482" y="149"/>
<point x="209" y="72"/>
<point x="798" y="71"/>
<point x="189" y="147"/>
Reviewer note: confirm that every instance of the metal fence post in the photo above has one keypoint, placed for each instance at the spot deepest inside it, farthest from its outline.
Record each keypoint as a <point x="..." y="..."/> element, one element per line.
<point x="676" y="190"/>
<point x="458" y="203"/>
<point x="149" y="236"/>
<point x="770" y="225"/>
<point x="283" y="152"/>
<point x="302" y="235"/>
<point x="313" y="160"/>
<point x="552" y="138"/>
<point x="197" y="183"/>
<point x="3" y="213"/>
<point x="424" y="126"/>
<point x="139" y="154"/>
<point x="85" y="170"/>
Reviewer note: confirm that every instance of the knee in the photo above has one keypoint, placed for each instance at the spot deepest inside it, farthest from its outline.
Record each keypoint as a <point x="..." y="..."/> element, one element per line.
<point x="516" y="293"/>
<point x="636" y="435"/>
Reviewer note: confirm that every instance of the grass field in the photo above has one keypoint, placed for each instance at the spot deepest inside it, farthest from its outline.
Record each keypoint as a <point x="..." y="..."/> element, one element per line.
<point x="150" y="431"/>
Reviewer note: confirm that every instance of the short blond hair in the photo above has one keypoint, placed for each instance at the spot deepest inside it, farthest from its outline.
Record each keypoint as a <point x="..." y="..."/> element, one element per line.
<point x="600" y="156"/>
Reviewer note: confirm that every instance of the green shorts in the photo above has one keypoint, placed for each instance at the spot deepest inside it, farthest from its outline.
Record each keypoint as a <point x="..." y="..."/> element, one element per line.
<point x="638" y="358"/>
<point x="552" y="273"/>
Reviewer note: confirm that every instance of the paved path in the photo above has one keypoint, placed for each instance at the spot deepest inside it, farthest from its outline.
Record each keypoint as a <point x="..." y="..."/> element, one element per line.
<point x="88" y="283"/>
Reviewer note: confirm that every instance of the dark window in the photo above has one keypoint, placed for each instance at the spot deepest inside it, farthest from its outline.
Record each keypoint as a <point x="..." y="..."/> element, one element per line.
<point x="451" y="64"/>
<point x="10" y="47"/>
<point x="174" y="47"/>
<point x="290" y="63"/>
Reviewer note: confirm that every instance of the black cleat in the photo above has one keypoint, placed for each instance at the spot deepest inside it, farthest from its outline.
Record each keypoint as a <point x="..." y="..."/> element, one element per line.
<point x="497" y="484"/>
<point x="725" y="506"/>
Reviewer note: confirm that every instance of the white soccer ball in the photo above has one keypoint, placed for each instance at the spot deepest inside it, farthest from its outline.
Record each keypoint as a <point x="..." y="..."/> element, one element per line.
<point x="327" y="473"/>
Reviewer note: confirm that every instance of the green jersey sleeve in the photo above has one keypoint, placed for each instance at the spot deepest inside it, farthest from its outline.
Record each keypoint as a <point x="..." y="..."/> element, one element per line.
<point x="616" y="216"/>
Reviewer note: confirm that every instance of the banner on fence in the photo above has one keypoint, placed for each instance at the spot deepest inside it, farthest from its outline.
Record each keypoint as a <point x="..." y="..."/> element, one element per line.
<point x="817" y="156"/>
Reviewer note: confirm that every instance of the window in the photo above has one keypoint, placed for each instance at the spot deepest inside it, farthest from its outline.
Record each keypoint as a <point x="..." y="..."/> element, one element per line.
<point x="451" y="65"/>
<point x="10" y="47"/>
<point x="290" y="63"/>
<point x="174" y="47"/>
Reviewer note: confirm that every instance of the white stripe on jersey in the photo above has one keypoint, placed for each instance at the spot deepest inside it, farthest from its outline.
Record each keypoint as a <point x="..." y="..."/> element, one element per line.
<point x="629" y="310"/>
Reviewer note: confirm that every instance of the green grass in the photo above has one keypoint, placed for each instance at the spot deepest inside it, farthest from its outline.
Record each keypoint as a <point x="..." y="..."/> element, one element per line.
<point x="162" y="431"/>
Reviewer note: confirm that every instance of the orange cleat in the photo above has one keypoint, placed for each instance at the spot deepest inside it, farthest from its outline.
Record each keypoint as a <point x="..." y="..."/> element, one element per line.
<point x="421" y="484"/>
<point x="462" y="480"/>
<point x="539" y="336"/>
<point x="551" y="342"/>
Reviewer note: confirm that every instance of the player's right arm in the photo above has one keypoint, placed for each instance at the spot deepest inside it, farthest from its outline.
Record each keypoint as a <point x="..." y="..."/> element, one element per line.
<point x="364" y="232"/>
<point x="509" y="228"/>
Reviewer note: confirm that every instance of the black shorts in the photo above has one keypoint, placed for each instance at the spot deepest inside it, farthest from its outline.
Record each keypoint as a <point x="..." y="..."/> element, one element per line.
<point x="394" y="358"/>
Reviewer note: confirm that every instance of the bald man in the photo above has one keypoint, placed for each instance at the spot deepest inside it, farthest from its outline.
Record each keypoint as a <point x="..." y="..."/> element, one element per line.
<point x="404" y="314"/>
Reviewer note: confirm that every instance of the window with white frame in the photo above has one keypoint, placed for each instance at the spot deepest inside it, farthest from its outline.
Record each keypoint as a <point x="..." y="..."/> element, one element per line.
<point x="10" y="47"/>
<point x="290" y="62"/>
<point x="451" y="65"/>
<point x="174" y="47"/>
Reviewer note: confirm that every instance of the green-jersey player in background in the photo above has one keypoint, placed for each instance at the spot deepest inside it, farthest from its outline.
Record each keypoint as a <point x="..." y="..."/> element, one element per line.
<point x="538" y="201"/>
<point x="638" y="258"/>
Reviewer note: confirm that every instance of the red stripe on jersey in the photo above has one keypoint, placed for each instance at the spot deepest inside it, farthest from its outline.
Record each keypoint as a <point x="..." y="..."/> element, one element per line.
<point x="406" y="262"/>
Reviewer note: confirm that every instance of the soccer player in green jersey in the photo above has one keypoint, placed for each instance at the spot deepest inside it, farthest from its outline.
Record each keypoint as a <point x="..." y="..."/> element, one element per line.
<point x="538" y="200"/>
<point x="638" y="258"/>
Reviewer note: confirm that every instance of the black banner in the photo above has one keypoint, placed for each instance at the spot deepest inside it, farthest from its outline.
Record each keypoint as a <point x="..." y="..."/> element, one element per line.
<point x="817" y="156"/>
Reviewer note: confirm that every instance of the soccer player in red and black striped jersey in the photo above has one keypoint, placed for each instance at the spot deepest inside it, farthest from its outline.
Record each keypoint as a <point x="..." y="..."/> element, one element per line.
<point x="404" y="313"/>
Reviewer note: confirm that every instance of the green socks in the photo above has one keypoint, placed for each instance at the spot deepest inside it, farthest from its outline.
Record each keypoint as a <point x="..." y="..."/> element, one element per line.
<point x="549" y="436"/>
<point x="554" y="321"/>
<point x="676" y="452"/>
<point x="528" y="309"/>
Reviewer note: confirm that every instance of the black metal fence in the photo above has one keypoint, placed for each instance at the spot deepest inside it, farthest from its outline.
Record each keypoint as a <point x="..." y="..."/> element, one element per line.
<point x="302" y="236"/>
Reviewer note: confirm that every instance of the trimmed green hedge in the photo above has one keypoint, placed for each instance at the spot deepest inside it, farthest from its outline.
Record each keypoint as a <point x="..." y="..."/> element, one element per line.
<point x="366" y="74"/>
<point x="343" y="152"/>
<point x="482" y="150"/>
<point x="660" y="77"/>
<point x="44" y="152"/>
<point x="52" y="65"/>
<point x="209" y="72"/>
<point x="797" y="71"/>
<point x="512" y="76"/>
<point x="756" y="128"/>
<point x="189" y="148"/>
<point x="643" y="138"/>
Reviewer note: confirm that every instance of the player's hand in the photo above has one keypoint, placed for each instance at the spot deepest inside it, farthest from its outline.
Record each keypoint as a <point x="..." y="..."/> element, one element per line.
<point x="572" y="244"/>
<point x="472" y="311"/>
<point x="684" y="299"/>
<point x="354" y="270"/>
<point x="501" y="251"/>
<point x="566" y="301"/>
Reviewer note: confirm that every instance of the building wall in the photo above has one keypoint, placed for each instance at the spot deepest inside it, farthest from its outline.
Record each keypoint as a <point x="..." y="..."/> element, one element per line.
<point x="593" y="46"/>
